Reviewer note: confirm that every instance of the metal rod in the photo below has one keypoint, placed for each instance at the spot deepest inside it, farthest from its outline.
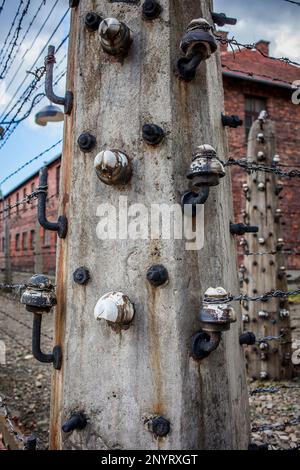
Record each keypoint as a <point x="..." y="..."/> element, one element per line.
<point x="61" y="227"/>
<point x="66" y="101"/>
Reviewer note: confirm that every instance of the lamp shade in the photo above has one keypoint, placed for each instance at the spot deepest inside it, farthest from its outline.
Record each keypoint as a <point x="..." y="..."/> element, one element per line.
<point x="47" y="114"/>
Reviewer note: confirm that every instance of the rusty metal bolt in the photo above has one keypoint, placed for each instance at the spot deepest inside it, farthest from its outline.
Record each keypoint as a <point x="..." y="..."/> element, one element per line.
<point x="159" y="426"/>
<point x="92" y="21"/>
<point x="87" y="142"/>
<point x="153" y="134"/>
<point x="39" y="295"/>
<point x="76" y="421"/>
<point x="157" y="275"/>
<point x="81" y="276"/>
<point x="115" y="37"/>
<point x="115" y="308"/>
<point x="113" y="167"/>
<point x="151" y="10"/>
<point x="231" y="121"/>
<point x="198" y="44"/>
<point x="247" y="338"/>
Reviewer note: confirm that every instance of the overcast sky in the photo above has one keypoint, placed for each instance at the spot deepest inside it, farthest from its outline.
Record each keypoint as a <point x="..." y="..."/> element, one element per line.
<point x="273" y="20"/>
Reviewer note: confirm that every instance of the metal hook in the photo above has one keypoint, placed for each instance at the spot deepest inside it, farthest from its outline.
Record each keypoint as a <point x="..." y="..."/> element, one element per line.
<point x="67" y="101"/>
<point x="56" y="357"/>
<point x="192" y="199"/>
<point x="61" y="226"/>
<point x="204" y="343"/>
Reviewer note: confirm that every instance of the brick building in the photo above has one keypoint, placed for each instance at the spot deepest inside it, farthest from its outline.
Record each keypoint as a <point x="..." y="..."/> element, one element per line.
<point x="30" y="245"/>
<point x="253" y="82"/>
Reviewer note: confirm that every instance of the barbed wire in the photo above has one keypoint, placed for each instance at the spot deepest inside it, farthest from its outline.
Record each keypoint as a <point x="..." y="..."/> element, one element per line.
<point x="35" y="102"/>
<point x="32" y="69"/>
<point x="26" y="200"/>
<point x="259" y="390"/>
<point x="22" y="345"/>
<point x="21" y="323"/>
<point x="272" y="389"/>
<point x="5" y="46"/>
<point x="31" y="255"/>
<point x="42" y="4"/>
<point x="17" y="287"/>
<point x="30" y="161"/>
<point x="233" y="42"/>
<point x="14" y="42"/>
<point x="258" y="298"/>
<point x="251" y="167"/>
<point x="19" y="437"/>
<point x="2" y="6"/>
<point x="38" y="75"/>
<point x="25" y="54"/>
<point x="278" y="427"/>
<point x="293" y="2"/>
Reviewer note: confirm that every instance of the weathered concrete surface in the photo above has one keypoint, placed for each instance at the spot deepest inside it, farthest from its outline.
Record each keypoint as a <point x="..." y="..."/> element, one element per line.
<point x="119" y="379"/>
<point x="262" y="272"/>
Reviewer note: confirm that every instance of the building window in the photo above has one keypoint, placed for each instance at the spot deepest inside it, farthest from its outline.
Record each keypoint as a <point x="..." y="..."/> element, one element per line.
<point x="9" y="204"/>
<point x="253" y="106"/>
<point x="57" y="179"/>
<point x="46" y="238"/>
<point x="24" y="241"/>
<point x="24" y="196"/>
<point x="32" y="240"/>
<point x="17" y="242"/>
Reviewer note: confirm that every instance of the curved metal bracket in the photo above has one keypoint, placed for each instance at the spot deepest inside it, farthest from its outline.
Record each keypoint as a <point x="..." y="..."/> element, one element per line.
<point x="203" y="344"/>
<point x="61" y="226"/>
<point x="56" y="357"/>
<point x="191" y="198"/>
<point x="67" y="101"/>
<point x="187" y="67"/>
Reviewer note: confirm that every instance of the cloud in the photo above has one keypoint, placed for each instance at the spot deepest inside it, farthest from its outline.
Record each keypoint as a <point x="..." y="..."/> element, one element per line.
<point x="273" y="20"/>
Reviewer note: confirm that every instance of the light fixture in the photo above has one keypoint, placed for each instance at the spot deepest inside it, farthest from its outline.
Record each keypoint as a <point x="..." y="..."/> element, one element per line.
<point x="47" y="114"/>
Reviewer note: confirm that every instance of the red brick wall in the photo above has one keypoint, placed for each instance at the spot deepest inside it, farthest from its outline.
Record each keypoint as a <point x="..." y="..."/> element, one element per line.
<point x="287" y="117"/>
<point x="24" y="220"/>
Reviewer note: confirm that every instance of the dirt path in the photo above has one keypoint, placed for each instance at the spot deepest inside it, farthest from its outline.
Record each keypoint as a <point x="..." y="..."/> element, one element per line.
<point x="25" y="386"/>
